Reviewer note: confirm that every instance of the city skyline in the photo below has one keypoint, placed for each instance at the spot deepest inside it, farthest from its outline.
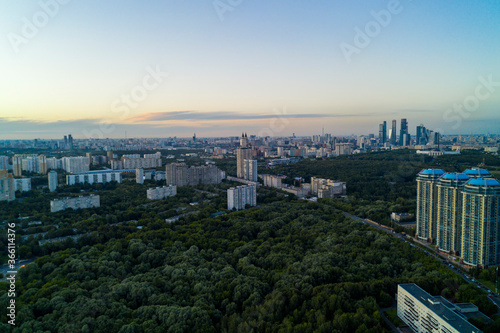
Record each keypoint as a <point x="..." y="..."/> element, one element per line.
<point x="73" y="67"/>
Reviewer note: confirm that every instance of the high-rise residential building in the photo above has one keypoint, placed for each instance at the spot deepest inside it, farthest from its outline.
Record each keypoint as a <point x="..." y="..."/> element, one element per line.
<point x="243" y="152"/>
<point x="250" y="170"/>
<point x="94" y="177"/>
<point x="461" y="212"/>
<point x="481" y="223"/>
<point x="89" y="156"/>
<point x="383" y="132"/>
<point x="273" y="181"/>
<point x="42" y="164"/>
<point x="70" y="142"/>
<point x="162" y="192"/>
<point x="136" y="163"/>
<point x="92" y="201"/>
<point x="179" y="174"/>
<point x="403" y="133"/>
<point x="17" y="165"/>
<point x="449" y="212"/>
<point x="239" y="197"/>
<point x="427" y="204"/>
<point x="139" y="176"/>
<point x="7" y="186"/>
<point x="75" y="164"/>
<point x="423" y="312"/>
<point x="4" y="163"/>
<point x="52" y="181"/>
<point x="22" y="184"/>
<point x="394" y="133"/>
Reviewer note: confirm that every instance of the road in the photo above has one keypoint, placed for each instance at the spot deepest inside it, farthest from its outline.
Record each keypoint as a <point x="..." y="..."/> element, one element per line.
<point x="5" y="268"/>
<point x="443" y="259"/>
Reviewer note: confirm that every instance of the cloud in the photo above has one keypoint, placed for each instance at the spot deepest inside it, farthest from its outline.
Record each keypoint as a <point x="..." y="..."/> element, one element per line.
<point x="224" y="115"/>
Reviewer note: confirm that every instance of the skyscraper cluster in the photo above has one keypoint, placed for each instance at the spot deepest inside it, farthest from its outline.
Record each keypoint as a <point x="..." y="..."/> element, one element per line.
<point x="423" y="136"/>
<point x="460" y="212"/>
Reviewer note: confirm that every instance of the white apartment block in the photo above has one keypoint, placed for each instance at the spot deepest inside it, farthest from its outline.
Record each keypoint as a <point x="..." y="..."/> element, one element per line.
<point x="139" y="176"/>
<point x="239" y="197"/>
<point x="75" y="164"/>
<point x="434" y="314"/>
<point x="273" y="181"/>
<point x="136" y="163"/>
<point x="94" y="178"/>
<point x="75" y="203"/>
<point x="162" y="192"/>
<point x="52" y="181"/>
<point x="156" y="155"/>
<point x="22" y="185"/>
<point x="54" y="163"/>
<point x="250" y="170"/>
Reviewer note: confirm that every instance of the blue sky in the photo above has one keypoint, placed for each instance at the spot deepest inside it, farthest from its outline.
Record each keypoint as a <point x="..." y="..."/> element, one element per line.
<point x="248" y="68"/>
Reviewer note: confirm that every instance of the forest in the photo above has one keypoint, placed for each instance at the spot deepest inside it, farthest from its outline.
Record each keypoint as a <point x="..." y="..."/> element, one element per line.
<point x="284" y="267"/>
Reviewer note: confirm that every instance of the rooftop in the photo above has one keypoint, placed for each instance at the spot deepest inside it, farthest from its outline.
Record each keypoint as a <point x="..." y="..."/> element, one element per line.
<point x="432" y="172"/>
<point x="456" y="176"/>
<point x="440" y="307"/>
<point x="483" y="182"/>
<point x="477" y="172"/>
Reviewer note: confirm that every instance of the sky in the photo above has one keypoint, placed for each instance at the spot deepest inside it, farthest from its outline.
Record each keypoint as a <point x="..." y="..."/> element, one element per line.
<point x="106" y="69"/>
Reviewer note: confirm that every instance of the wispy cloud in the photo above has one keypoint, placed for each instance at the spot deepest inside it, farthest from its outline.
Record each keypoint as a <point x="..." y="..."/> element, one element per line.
<point x="223" y="115"/>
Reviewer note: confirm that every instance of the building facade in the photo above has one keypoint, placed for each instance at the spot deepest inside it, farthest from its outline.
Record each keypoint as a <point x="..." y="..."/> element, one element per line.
<point x="22" y="184"/>
<point x="423" y="312"/>
<point x="481" y="223"/>
<point x="7" y="186"/>
<point x="449" y="212"/>
<point x="92" y="201"/>
<point x="427" y="204"/>
<point x="162" y="192"/>
<point x="250" y="170"/>
<point x="243" y="152"/>
<point x="76" y="164"/>
<point x="52" y="181"/>
<point x="94" y="178"/>
<point x="179" y="174"/>
<point x="239" y="197"/>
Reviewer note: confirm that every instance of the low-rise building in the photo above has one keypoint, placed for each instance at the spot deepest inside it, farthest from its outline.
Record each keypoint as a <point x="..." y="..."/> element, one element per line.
<point x="94" y="177"/>
<point x="22" y="184"/>
<point x="425" y="313"/>
<point x="82" y="202"/>
<point x="162" y="192"/>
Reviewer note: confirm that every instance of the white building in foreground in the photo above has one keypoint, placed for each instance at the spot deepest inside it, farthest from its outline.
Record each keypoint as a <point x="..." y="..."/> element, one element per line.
<point x="239" y="197"/>
<point x="425" y="313"/>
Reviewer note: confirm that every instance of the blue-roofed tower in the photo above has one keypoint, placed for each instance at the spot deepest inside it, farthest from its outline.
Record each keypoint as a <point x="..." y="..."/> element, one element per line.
<point x="481" y="222"/>
<point x="427" y="204"/>
<point x="449" y="212"/>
